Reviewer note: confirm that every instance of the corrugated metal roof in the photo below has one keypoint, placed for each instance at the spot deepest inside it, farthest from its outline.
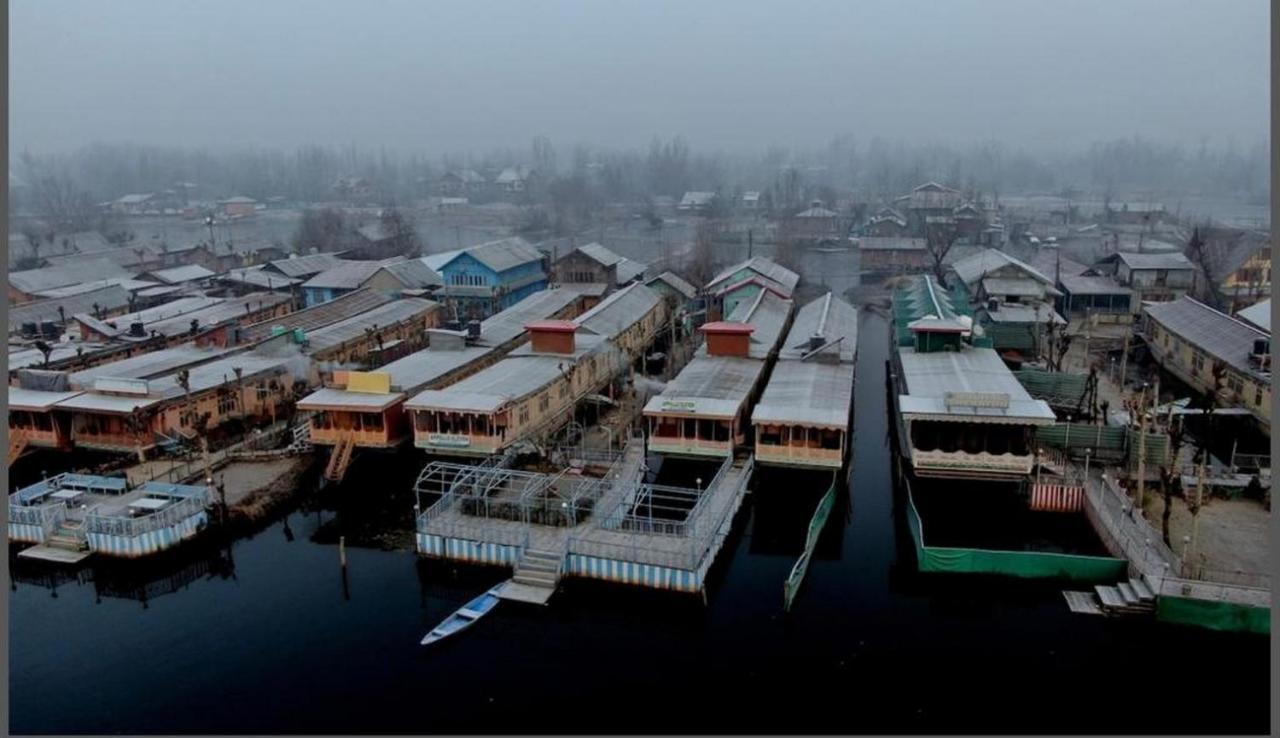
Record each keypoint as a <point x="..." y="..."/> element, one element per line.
<point x="127" y="283"/>
<point x="929" y="377"/>
<point x="807" y="392"/>
<point x="600" y="254"/>
<point x="166" y="311"/>
<point x="106" y="298"/>
<point x="890" y="243"/>
<point x="319" y="316"/>
<point x="257" y="276"/>
<point x="676" y="282"/>
<point x="225" y="310"/>
<point x="765" y="268"/>
<point x="149" y="365"/>
<point x="37" y="400"/>
<point x="381" y="316"/>
<point x="1258" y="315"/>
<point x="1017" y="287"/>
<point x="74" y="272"/>
<point x="346" y="276"/>
<point x="509" y="324"/>
<point x="629" y="270"/>
<point x="1166" y="260"/>
<point x="717" y="385"/>
<point x="1014" y="312"/>
<point x="972" y="269"/>
<point x="330" y="397"/>
<point x="1217" y="334"/>
<point x="504" y="382"/>
<point x="1079" y="284"/>
<point x="303" y="267"/>
<point x="177" y="275"/>
<point x="505" y="253"/>
<point x="414" y="274"/>
<point x="768" y="314"/>
<point x="619" y="311"/>
<point x="436" y="261"/>
<point x="827" y="316"/>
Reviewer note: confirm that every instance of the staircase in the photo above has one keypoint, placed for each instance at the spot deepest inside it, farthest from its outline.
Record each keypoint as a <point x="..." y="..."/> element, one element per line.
<point x="1133" y="597"/>
<point x="340" y="459"/>
<point x="301" y="443"/>
<point x="68" y="537"/>
<point x="17" y="444"/>
<point x="536" y="576"/>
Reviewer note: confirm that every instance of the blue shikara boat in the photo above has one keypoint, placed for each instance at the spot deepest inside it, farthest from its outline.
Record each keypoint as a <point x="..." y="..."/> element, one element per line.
<point x="464" y="617"/>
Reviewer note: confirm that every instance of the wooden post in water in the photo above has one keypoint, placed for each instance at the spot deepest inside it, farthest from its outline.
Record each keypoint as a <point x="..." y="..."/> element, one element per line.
<point x="342" y="551"/>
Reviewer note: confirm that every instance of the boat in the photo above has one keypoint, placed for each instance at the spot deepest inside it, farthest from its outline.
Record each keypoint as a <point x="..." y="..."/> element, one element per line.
<point x="464" y="617"/>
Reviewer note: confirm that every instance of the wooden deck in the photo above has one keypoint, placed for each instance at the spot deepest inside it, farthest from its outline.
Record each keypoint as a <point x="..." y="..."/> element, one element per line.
<point x="53" y="554"/>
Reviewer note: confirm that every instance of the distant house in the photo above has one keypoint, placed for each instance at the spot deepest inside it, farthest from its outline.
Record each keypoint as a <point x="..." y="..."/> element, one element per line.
<point x="460" y="182"/>
<point x="451" y="204"/>
<point x="485" y="279"/>
<point x="929" y="203"/>
<point x="1152" y="277"/>
<point x="134" y="204"/>
<point x="886" y="223"/>
<point x="892" y="255"/>
<point x="513" y="180"/>
<point x="696" y="202"/>
<point x="817" y="225"/>
<point x="238" y="206"/>
<point x="1014" y="301"/>
<point x="1140" y="213"/>
<point x="742" y="282"/>
<point x="751" y="200"/>
<point x="595" y="264"/>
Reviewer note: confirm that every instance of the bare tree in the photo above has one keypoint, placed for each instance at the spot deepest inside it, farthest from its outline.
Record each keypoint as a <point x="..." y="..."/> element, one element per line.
<point x="938" y="241"/>
<point x="403" y="235"/>
<point x="702" y="260"/>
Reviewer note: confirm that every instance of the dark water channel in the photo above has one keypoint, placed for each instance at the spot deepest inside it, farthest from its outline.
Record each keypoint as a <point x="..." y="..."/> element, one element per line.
<point x="264" y="635"/>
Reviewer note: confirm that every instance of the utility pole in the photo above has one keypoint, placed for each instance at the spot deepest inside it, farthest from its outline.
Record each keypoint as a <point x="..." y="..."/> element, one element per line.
<point x="750" y="244"/>
<point x="1142" y="452"/>
<point x="1188" y="561"/>
<point x="1124" y="356"/>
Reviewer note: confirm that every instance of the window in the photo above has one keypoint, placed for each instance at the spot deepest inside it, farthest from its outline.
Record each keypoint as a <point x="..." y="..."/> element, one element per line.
<point x="544" y="402"/>
<point x="523" y="416"/>
<point x="1257" y="396"/>
<point x="1162" y="277"/>
<point x="1235" y="384"/>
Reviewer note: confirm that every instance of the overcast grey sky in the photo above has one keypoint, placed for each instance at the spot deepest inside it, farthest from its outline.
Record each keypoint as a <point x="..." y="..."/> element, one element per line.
<point x="457" y="76"/>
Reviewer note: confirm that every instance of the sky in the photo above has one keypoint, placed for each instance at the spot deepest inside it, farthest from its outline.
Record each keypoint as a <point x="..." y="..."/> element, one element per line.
<point x="728" y="75"/>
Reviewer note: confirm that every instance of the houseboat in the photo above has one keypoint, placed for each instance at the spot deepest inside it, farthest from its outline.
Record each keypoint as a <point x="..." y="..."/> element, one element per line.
<point x="524" y="397"/>
<point x="960" y="411"/>
<point x="706" y="409"/>
<point x="804" y="417"/>
<point x="366" y="409"/>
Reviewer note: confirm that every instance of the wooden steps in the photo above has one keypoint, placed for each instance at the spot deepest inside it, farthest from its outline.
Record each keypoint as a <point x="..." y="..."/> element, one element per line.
<point x="537" y="575"/>
<point x="340" y="459"/>
<point x="1133" y="597"/>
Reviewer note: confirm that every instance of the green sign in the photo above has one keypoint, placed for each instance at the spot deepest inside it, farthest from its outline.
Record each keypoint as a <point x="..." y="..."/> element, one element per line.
<point x="441" y="439"/>
<point x="820" y="515"/>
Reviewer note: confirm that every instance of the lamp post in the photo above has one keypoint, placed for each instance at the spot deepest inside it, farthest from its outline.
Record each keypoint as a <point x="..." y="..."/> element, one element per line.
<point x="1039" y="452"/>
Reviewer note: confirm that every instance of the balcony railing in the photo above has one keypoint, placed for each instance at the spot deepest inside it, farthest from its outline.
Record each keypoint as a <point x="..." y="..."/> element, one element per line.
<point x="982" y="461"/>
<point x="133" y="527"/>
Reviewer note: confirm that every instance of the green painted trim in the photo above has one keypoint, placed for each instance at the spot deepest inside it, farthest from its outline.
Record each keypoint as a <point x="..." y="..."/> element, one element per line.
<point x="1214" y="615"/>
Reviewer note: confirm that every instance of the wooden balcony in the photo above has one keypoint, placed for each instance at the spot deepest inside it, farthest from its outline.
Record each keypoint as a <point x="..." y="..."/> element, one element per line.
<point x="982" y="462"/>
<point x="821" y="458"/>
<point x="689" y="446"/>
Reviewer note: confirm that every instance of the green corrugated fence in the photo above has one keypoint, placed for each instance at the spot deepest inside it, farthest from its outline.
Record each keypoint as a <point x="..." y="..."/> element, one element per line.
<point x="1024" y="564"/>
<point x="1104" y="441"/>
<point x="1055" y="388"/>
<point x="1213" y="614"/>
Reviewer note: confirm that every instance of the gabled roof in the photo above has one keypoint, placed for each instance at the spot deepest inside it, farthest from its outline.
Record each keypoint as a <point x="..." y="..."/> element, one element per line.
<point x="414" y="274"/>
<point x="629" y="271"/>
<point x="619" y="311"/>
<point x="438" y="260"/>
<point x="1164" y="260"/>
<point x="502" y="254"/>
<point x="512" y="174"/>
<point x="827" y="316"/>
<point x="1218" y="334"/>
<point x="973" y="269"/>
<point x="318" y="316"/>
<point x="697" y="198"/>
<point x="302" y="267"/>
<point x="765" y="268"/>
<point x="345" y="276"/>
<point x="180" y="274"/>
<point x="258" y="276"/>
<point x="1258" y="315"/>
<point x="816" y="213"/>
<point x="676" y="282"/>
<point x="238" y="199"/>
<point x="600" y="254"/>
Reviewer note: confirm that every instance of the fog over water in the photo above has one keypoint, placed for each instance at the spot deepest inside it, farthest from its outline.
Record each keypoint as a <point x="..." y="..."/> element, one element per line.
<point x="728" y="76"/>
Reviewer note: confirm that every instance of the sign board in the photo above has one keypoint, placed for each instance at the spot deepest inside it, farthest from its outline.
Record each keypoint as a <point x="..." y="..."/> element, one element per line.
<point x="444" y="439"/>
<point x="820" y="515"/>
<point x="684" y="406"/>
<point x="372" y="382"/>
<point x="122" y="386"/>
<point x="998" y="400"/>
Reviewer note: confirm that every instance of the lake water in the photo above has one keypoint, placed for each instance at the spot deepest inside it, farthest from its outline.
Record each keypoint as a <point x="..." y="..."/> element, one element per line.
<point x="264" y="635"/>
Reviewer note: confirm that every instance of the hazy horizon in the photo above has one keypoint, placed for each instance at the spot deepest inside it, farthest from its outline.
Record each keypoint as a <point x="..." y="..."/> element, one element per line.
<point x="727" y="77"/>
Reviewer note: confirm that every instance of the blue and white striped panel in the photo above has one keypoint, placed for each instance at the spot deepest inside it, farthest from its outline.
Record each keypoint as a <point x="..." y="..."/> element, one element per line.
<point x="460" y="549"/>
<point x="148" y="543"/>
<point x="630" y="572"/>
<point x="25" y="533"/>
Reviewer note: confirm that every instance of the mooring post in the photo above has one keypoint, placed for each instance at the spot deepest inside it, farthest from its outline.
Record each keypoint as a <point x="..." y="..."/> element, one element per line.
<point x="342" y="551"/>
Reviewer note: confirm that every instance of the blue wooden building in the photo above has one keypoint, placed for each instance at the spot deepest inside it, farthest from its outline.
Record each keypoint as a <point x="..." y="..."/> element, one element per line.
<point x="486" y="279"/>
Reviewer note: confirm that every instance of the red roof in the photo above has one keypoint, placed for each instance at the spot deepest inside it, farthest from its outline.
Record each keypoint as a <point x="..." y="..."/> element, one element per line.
<point x="552" y="326"/>
<point x="724" y="326"/>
